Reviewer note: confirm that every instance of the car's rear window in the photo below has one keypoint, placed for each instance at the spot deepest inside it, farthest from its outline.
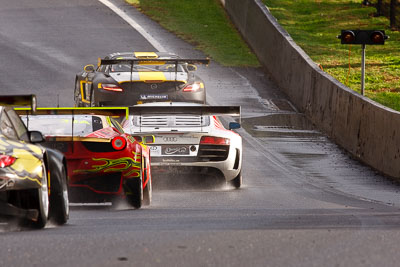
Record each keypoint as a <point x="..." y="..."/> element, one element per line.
<point x="61" y="125"/>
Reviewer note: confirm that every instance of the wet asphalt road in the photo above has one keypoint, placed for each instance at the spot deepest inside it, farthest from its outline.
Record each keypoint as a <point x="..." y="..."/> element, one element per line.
<point x="304" y="201"/>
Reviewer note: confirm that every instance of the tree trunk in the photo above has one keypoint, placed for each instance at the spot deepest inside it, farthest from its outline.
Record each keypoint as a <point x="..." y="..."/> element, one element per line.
<point x="379" y="8"/>
<point x="393" y="13"/>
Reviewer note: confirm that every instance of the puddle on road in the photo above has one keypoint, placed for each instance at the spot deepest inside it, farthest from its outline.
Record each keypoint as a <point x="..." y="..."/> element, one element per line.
<point x="292" y="136"/>
<point x="280" y="125"/>
<point x="298" y="144"/>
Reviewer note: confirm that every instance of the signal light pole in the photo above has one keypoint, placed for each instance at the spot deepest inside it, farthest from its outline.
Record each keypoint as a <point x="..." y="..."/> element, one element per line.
<point x="362" y="68"/>
<point x="363" y="37"/>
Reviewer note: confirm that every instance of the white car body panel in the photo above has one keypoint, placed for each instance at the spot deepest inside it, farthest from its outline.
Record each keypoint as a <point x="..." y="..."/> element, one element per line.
<point x="177" y="141"/>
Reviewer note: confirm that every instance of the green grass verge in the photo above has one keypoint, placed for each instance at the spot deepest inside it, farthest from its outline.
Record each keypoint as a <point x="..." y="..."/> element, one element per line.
<point x="314" y="25"/>
<point x="204" y="24"/>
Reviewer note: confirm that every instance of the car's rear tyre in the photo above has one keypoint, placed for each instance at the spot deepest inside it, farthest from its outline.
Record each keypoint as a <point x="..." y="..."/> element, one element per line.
<point x="134" y="191"/>
<point x="77" y="95"/>
<point x="148" y="190"/>
<point x="59" y="203"/>
<point x="92" y="100"/>
<point x="41" y="202"/>
<point x="147" y="193"/>
<point x="237" y="181"/>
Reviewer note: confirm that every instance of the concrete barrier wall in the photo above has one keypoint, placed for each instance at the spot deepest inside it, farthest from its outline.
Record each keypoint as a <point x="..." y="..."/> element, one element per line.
<point x="368" y="130"/>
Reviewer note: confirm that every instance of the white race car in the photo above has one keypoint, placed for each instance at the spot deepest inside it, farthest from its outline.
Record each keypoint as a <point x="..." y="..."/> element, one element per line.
<point x="190" y="139"/>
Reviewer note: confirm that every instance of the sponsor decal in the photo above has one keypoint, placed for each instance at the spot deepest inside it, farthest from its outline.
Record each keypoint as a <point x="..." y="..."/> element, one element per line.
<point x="153" y="97"/>
<point x="154" y="148"/>
<point x="176" y="150"/>
<point x="171" y="161"/>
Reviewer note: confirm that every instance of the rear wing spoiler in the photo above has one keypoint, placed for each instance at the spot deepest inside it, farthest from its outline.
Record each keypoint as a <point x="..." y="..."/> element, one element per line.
<point x="135" y="110"/>
<point x="106" y="111"/>
<point x="188" y="110"/>
<point x="150" y="60"/>
<point x="19" y="100"/>
<point x="78" y="138"/>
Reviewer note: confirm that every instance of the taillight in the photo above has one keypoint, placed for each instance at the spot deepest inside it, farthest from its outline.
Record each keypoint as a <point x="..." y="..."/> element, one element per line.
<point x="193" y="87"/>
<point x="211" y="140"/>
<point x="118" y="143"/>
<point x="6" y="161"/>
<point x="111" y="87"/>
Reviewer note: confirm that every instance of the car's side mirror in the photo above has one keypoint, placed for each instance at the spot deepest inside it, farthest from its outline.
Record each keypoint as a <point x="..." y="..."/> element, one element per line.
<point x="191" y="67"/>
<point x="36" y="137"/>
<point x="89" y="68"/>
<point x="234" y="125"/>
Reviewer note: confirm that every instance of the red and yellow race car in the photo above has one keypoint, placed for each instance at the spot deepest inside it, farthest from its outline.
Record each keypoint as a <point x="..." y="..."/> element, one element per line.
<point x="104" y="163"/>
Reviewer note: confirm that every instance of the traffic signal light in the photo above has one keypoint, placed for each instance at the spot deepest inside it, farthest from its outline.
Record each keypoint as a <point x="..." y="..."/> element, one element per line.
<point x="370" y="37"/>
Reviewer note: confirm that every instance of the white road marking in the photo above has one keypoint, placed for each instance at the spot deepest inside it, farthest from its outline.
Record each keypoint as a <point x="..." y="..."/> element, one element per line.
<point x="134" y="25"/>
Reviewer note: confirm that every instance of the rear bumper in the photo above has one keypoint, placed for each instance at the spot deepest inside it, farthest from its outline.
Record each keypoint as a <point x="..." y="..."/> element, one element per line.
<point x="97" y="188"/>
<point x="11" y="181"/>
<point x="223" y="167"/>
<point x="86" y="195"/>
<point x="98" y="183"/>
<point x="229" y="168"/>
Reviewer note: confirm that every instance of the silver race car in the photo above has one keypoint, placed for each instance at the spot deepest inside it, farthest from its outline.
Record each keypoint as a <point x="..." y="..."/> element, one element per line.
<point x="190" y="139"/>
